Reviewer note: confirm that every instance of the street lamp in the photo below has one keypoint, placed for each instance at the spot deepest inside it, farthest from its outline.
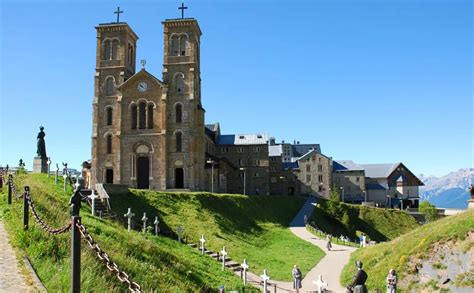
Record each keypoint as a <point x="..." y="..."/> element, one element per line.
<point x="243" y="169"/>
<point x="365" y="195"/>
<point x="212" y="174"/>
<point x="342" y="190"/>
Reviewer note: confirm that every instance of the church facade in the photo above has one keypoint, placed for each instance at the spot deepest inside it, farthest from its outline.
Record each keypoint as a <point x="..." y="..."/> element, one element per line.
<point x="147" y="132"/>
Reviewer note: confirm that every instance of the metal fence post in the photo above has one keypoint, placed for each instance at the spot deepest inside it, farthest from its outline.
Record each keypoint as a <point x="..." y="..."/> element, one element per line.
<point x="9" y="198"/>
<point x="1" y="180"/>
<point x="26" y="208"/>
<point x="75" y="255"/>
<point x="275" y="288"/>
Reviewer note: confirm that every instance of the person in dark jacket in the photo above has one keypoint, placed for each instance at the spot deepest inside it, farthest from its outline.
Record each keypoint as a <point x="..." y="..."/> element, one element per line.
<point x="297" y="276"/>
<point x="358" y="281"/>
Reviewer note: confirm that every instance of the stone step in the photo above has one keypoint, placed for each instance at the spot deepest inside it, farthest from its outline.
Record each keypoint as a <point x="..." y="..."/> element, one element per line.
<point x="193" y="245"/>
<point x="232" y="263"/>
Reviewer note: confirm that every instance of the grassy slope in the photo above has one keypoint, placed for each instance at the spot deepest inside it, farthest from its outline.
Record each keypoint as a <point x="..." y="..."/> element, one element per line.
<point x="251" y="227"/>
<point x="380" y="258"/>
<point x="153" y="262"/>
<point x="378" y="224"/>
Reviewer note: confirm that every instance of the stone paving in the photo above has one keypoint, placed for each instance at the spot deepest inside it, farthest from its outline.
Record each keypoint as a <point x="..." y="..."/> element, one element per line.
<point x="11" y="279"/>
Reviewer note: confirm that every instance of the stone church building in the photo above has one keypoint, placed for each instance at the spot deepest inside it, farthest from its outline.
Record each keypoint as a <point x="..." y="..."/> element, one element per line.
<point x="147" y="132"/>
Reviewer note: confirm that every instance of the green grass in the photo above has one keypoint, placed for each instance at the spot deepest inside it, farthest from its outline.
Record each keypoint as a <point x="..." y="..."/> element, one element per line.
<point x="376" y="223"/>
<point x="417" y="243"/>
<point x="154" y="262"/>
<point x="251" y="227"/>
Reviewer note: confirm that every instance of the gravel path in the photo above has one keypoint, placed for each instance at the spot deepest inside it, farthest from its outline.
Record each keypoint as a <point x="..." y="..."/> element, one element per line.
<point x="11" y="279"/>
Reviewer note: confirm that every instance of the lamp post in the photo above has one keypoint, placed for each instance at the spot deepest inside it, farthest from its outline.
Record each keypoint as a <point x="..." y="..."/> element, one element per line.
<point x="212" y="174"/>
<point x="342" y="190"/>
<point x="365" y="195"/>
<point x="243" y="169"/>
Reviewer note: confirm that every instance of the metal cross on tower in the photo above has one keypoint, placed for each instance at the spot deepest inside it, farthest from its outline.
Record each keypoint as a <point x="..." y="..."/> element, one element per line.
<point x="118" y="14"/>
<point x="182" y="8"/>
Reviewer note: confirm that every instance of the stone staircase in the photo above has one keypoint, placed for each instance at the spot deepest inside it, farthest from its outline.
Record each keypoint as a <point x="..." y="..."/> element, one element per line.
<point x="229" y="263"/>
<point x="100" y="207"/>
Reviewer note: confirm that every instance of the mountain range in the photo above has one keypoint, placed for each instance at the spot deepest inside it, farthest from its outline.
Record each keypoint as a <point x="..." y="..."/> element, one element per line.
<point x="449" y="191"/>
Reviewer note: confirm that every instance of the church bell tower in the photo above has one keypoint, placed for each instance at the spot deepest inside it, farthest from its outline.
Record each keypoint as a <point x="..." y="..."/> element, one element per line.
<point x="185" y="114"/>
<point x="115" y="63"/>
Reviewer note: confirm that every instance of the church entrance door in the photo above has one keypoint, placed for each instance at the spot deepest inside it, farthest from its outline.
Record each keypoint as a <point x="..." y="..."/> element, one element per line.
<point x="109" y="176"/>
<point x="179" y="178"/>
<point x="143" y="173"/>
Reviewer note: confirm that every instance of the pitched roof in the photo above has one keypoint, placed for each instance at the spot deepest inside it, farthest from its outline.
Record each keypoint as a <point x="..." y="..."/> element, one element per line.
<point x="290" y="165"/>
<point x="346" y="165"/>
<point x="301" y="149"/>
<point x="142" y="73"/>
<point x="379" y="170"/>
<point x="242" y="139"/>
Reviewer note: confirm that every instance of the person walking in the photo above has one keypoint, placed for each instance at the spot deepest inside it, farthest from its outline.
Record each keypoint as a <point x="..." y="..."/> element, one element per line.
<point x="391" y="281"/>
<point x="328" y="242"/>
<point x="297" y="277"/>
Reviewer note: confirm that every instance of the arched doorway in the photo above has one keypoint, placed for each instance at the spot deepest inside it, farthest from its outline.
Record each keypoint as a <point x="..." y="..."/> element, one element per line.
<point x="143" y="173"/>
<point x="109" y="176"/>
<point x="178" y="178"/>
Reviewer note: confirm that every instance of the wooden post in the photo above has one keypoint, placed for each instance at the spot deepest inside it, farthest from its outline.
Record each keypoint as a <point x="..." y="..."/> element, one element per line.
<point x="75" y="255"/>
<point x="26" y="208"/>
<point x="9" y="198"/>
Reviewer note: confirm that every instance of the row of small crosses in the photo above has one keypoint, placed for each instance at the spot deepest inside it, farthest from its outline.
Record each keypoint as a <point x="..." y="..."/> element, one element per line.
<point x="182" y="8"/>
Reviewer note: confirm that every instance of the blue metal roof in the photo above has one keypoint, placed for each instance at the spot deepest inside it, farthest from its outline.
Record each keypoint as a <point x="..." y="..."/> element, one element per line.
<point x="288" y="165"/>
<point x="226" y="139"/>
<point x="376" y="186"/>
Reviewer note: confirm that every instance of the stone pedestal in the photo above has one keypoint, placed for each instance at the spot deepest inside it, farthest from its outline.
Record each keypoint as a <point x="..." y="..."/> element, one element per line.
<point x="40" y="165"/>
<point x="470" y="204"/>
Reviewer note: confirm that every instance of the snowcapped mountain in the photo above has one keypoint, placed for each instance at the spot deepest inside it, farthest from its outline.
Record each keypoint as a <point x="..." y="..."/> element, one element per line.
<point x="449" y="191"/>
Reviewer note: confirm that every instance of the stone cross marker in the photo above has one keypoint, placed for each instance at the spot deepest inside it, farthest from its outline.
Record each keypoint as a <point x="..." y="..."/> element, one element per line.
<point x="203" y="240"/>
<point x="93" y="196"/>
<point x="144" y="219"/>
<point x="56" y="175"/>
<point x="65" y="180"/>
<point x="224" y="254"/>
<point x="77" y="185"/>
<point x="129" y="215"/>
<point x="180" y="230"/>
<point x="49" y="167"/>
<point x="245" y="267"/>
<point x="265" y="278"/>
<point x="320" y="284"/>
<point x="156" y="223"/>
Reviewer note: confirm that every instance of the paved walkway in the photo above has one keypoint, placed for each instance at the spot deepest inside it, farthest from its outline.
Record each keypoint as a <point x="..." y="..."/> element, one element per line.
<point x="11" y="280"/>
<point x="329" y="267"/>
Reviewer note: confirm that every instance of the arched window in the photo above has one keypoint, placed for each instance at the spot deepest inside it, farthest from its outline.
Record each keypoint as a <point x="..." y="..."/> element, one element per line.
<point x="174" y="45"/>
<point x="109" y="116"/>
<point x="179" y="113"/>
<point x="179" y="138"/>
<point x="109" y="143"/>
<point x="150" y="116"/>
<point x="107" y="48"/>
<point x="180" y="83"/>
<point x="142" y="115"/>
<point x="183" y="40"/>
<point x="114" y="49"/>
<point x="110" y="86"/>
<point x="134" y="115"/>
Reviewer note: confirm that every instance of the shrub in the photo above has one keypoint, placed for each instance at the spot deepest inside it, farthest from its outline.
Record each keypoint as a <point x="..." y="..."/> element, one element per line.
<point x="428" y="211"/>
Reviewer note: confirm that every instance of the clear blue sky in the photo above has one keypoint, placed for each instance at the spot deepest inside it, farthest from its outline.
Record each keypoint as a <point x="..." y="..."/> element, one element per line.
<point x="371" y="81"/>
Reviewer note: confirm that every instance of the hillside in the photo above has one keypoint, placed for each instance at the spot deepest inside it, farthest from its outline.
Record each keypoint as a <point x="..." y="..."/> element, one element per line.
<point x="439" y="251"/>
<point x="251" y="227"/>
<point x="449" y="191"/>
<point x="349" y="220"/>
<point x="154" y="262"/>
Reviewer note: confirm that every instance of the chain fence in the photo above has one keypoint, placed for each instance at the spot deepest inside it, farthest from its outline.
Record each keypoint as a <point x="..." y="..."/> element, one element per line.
<point x="101" y="254"/>
<point x="41" y="222"/>
<point x="104" y="258"/>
